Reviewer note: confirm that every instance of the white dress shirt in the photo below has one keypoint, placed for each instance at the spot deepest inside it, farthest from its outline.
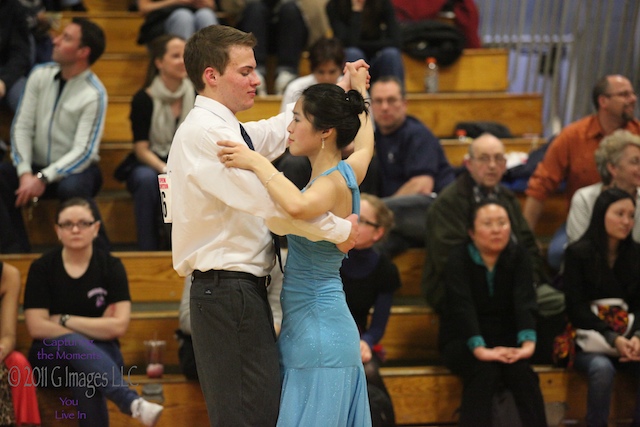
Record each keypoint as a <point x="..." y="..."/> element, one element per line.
<point x="220" y="214"/>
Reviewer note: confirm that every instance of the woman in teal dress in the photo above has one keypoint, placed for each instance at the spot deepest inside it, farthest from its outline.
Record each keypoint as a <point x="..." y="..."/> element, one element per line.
<point x="323" y="378"/>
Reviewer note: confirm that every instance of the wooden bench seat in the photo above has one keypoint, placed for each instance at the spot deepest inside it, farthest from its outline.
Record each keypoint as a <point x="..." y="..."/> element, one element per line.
<point x="182" y="400"/>
<point x="431" y="394"/>
<point x="152" y="278"/>
<point x="107" y="5"/>
<point x="112" y="153"/>
<point x="411" y="336"/>
<point x="421" y="395"/>
<point x="120" y="28"/>
<point x="476" y="70"/>
<point x="123" y="69"/>
<point x="144" y="326"/>
<point x="440" y="112"/>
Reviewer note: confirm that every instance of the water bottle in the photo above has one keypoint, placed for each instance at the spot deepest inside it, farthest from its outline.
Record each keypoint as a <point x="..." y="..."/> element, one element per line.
<point x="461" y="135"/>
<point x="431" y="76"/>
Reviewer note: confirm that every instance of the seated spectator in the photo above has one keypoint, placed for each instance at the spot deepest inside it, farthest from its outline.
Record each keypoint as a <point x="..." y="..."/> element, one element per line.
<point x="280" y="24"/>
<point x="40" y="26"/>
<point x="56" y="133"/>
<point x="156" y="112"/>
<point x="487" y="327"/>
<point x="178" y="17"/>
<point x="570" y="157"/>
<point x="77" y="296"/>
<point x="618" y="163"/>
<point x="368" y="30"/>
<point x="326" y="59"/>
<point x="15" y="52"/>
<point x="446" y="224"/>
<point x="24" y="409"/>
<point x="186" y="356"/>
<point x="369" y="280"/>
<point x="601" y="276"/>
<point x="412" y="165"/>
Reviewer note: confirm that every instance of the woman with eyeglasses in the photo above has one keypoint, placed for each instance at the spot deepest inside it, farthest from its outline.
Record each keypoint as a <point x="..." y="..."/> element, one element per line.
<point x="76" y="306"/>
<point x="488" y="326"/>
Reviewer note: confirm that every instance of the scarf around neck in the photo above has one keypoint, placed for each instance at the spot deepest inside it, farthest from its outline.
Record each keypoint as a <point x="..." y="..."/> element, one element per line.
<point x="163" y="122"/>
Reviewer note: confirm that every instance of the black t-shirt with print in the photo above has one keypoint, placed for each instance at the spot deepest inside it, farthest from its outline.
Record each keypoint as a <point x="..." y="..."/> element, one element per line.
<point x="49" y="286"/>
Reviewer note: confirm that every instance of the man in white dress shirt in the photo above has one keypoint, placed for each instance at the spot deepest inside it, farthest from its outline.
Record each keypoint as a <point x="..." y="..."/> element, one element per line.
<point x="220" y="233"/>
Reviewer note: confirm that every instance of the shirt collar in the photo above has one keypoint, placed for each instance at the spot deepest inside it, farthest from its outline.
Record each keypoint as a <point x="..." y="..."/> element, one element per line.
<point x="594" y="128"/>
<point x="217" y="108"/>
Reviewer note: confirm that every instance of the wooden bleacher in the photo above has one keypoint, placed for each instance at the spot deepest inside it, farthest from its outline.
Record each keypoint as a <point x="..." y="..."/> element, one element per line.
<point x="116" y="206"/>
<point x="522" y="113"/>
<point x="422" y="394"/>
<point x="153" y="283"/>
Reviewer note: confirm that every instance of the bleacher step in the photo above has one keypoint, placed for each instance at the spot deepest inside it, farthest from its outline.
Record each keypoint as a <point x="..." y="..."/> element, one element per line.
<point x="421" y="395"/>
<point x="124" y="72"/>
<point x="521" y="113"/>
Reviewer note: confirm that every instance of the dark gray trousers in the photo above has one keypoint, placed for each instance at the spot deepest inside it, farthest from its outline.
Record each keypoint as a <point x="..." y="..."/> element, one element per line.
<point x="235" y="348"/>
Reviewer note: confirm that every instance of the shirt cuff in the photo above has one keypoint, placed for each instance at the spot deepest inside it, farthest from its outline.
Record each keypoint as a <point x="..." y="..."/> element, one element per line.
<point x="526" y="335"/>
<point x="23" y="168"/>
<point x="341" y="231"/>
<point x="475" y="342"/>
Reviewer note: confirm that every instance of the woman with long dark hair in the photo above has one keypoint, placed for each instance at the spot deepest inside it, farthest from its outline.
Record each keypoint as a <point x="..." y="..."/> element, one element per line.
<point x="324" y="382"/>
<point x="602" y="286"/>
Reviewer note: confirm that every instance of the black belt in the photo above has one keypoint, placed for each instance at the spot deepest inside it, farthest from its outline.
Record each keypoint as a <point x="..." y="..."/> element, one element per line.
<point x="223" y="274"/>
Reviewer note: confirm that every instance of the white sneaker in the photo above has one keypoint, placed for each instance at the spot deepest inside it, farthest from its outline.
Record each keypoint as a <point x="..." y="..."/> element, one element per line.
<point x="262" y="89"/>
<point x="147" y="412"/>
<point x="283" y="79"/>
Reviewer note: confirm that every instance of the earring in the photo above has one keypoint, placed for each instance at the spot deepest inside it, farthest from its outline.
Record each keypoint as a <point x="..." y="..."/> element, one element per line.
<point x="323" y="143"/>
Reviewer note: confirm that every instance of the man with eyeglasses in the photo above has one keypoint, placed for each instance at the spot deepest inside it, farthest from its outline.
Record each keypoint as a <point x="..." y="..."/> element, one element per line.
<point x="447" y="224"/>
<point x="56" y="133"/>
<point x="570" y="157"/>
<point x="411" y="162"/>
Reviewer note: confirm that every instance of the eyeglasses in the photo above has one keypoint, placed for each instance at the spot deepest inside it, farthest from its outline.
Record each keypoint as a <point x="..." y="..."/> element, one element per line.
<point x="82" y="225"/>
<point x="499" y="159"/>
<point x="364" y="221"/>
<point x="624" y="94"/>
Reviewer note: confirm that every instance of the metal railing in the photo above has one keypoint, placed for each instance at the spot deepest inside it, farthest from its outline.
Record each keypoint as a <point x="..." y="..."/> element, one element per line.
<point x="561" y="47"/>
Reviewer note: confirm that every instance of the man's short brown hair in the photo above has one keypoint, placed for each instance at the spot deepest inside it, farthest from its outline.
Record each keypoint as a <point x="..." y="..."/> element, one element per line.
<point x="209" y="47"/>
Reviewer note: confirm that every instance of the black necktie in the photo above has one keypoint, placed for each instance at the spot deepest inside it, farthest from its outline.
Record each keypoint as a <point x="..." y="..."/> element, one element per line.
<point x="276" y="238"/>
<point x="246" y="137"/>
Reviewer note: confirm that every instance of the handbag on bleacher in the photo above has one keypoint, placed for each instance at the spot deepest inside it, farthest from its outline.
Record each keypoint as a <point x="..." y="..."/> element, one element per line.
<point x="614" y="311"/>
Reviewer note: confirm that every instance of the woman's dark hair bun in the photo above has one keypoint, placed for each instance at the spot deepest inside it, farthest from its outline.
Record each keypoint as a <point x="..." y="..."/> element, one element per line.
<point x="356" y="101"/>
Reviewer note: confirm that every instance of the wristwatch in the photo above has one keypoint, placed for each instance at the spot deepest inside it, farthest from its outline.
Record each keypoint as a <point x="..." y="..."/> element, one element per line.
<point x="42" y="177"/>
<point x="64" y="318"/>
